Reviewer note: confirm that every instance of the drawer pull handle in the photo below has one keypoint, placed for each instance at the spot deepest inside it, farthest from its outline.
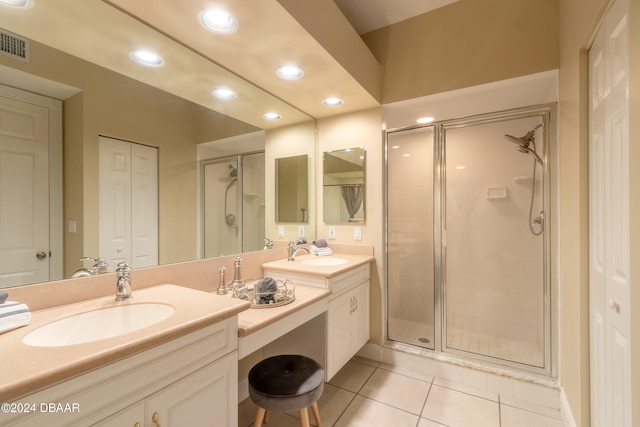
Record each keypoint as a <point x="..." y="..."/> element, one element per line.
<point x="136" y="425"/>
<point x="156" y="419"/>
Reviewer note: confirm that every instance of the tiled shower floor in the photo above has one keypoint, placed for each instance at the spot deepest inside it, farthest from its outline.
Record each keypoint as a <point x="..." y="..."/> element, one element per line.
<point x="367" y="393"/>
<point x="520" y="351"/>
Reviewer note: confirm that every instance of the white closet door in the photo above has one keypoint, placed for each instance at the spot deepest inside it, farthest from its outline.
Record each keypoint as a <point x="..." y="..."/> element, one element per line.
<point x="144" y="202"/>
<point x="128" y="203"/>
<point x="115" y="201"/>
<point x="609" y="225"/>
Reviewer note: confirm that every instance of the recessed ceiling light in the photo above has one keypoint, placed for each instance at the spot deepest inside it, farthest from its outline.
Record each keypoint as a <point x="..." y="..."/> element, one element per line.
<point x="395" y="147"/>
<point x="223" y="93"/>
<point x="17" y="3"/>
<point x="271" y="116"/>
<point x="147" y="58"/>
<point x="422" y="120"/>
<point x="289" y="72"/>
<point x="332" y="102"/>
<point x="219" y="21"/>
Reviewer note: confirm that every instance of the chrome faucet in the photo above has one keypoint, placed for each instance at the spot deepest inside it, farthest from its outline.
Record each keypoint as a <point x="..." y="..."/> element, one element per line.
<point x="123" y="286"/>
<point x="294" y="247"/>
<point x="100" y="266"/>
<point x="238" y="289"/>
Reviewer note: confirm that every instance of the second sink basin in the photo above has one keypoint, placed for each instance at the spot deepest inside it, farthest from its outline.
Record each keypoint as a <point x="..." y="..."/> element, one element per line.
<point x="98" y="324"/>
<point x="324" y="261"/>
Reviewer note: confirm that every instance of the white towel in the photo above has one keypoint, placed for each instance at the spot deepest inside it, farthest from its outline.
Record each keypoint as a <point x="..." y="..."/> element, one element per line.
<point x="320" y="251"/>
<point x="13" y="315"/>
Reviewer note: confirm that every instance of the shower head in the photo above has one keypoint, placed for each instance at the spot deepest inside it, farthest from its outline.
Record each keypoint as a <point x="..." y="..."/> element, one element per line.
<point x="234" y="171"/>
<point x="523" y="142"/>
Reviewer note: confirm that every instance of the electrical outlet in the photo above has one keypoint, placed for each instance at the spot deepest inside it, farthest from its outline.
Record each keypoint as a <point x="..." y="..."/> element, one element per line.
<point x="301" y="231"/>
<point x="281" y="231"/>
<point x="332" y="231"/>
<point x="357" y="233"/>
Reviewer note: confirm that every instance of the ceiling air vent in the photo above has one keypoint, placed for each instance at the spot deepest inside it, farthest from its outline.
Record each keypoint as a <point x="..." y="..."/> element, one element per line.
<point x="14" y="46"/>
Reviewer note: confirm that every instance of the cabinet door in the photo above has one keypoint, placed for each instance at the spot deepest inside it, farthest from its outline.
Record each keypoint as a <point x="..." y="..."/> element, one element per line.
<point x="360" y="331"/>
<point x="208" y="397"/>
<point x="338" y="333"/>
<point x="133" y="416"/>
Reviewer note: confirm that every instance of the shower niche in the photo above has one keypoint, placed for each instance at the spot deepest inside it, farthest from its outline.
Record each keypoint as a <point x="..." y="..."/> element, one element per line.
<point x="468" y="248"/>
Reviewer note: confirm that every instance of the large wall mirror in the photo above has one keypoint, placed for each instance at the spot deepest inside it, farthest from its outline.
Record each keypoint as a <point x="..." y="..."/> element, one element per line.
<point x="343" y="183"/>
<point x="96" y="100"/>
<point x="292" y="189"/>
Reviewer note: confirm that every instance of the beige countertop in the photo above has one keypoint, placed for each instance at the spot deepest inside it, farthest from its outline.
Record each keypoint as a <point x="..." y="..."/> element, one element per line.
<point x="27" y="369"/>
<point x="254" y="319"/>
<point x="328" y="271"/>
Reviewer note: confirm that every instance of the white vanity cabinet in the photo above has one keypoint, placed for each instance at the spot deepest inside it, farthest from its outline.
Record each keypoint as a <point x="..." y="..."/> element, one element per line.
<point x="347" y="317"/>
<point x="188" y="381"/>
<point x="347" y="313"/>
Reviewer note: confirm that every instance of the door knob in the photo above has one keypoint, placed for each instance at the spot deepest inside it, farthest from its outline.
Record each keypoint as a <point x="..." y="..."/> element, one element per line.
<point x="614" y="305"/>
<point x="41" y="255"/>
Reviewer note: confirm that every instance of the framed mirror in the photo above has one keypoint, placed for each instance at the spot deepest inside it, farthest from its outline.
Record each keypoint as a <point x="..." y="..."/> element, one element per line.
<point x="292" y="189"/>
<point x="344" y="185"/>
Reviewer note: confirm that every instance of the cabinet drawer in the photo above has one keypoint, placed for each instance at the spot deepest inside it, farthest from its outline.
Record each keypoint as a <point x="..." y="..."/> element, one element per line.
<point x="345" y="281"/>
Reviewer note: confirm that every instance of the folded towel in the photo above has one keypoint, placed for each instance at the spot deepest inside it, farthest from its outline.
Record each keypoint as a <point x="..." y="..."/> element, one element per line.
<point x="13" y="315"/>
<point x="320" y="251"/>
<point x="321" y="243"/>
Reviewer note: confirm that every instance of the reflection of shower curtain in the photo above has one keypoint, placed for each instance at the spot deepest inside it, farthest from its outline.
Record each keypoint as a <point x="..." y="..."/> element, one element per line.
<point x="352" y="195"/>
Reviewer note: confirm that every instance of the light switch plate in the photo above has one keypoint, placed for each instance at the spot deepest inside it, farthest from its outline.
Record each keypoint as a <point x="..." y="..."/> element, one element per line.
<point x="357" y="233"/>
<point x="301" y="231"/>
<point x="332" y="231"/>
<point x="281" y="231"/>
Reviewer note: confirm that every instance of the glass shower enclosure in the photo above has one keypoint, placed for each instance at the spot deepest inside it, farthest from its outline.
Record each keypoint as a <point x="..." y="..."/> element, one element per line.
<point x="233" y="204"/>
<point x="467" y="238"/>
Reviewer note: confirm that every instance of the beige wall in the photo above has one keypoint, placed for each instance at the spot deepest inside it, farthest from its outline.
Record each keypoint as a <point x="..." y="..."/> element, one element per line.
<point x="289" y="141"/>
<point x="634" y="205"/>
<point x="464" y="44"/>
<point x="361" y="129"/>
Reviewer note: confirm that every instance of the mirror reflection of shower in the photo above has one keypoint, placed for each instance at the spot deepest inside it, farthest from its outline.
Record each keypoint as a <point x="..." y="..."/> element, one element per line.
<point x="527" y="144"/>
<point x="230" y="218"/>
<point x="233" y="201"/>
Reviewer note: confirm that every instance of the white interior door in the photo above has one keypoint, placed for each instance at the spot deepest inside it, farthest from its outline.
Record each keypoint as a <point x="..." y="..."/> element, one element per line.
<point x="128" y="203"/>
<point x="24" y="193"/>
<point x="609" y="223"/>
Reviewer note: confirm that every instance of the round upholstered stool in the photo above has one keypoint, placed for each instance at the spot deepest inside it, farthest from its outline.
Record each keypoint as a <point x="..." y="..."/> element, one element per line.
<point x="286" y="383"/>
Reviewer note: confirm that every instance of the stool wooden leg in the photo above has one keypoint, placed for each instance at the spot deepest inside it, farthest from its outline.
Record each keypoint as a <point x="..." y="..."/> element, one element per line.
<point x="316" y="413"/>
<point x="266" y="416"/>
<point x="304" y="418"/>
<point x="259" y="417"/>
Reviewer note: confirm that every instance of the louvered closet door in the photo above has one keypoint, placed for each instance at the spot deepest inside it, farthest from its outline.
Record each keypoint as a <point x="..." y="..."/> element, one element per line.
<point x="609" y="222"/>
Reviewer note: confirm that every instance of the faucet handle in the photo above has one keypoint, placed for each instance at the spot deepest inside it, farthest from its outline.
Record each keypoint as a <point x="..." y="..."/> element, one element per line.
<point x="123" y="268"/>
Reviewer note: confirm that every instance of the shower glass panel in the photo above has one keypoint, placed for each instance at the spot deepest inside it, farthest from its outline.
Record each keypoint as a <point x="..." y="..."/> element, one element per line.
<point x="494" y="256"/>
<point x="410" y="227"/>
<point x="233" y="205"/>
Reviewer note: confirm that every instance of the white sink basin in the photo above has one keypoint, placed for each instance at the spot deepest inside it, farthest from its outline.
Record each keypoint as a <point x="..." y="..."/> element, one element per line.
<point x="324" y="261"/>
<point x="98" y="324"/>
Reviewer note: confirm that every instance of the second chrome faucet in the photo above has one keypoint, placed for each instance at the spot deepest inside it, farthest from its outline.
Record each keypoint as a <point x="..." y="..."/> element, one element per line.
<point x="294" y="247"/>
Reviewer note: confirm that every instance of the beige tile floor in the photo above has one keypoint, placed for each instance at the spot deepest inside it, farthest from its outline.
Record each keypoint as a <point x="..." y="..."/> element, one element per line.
<point x="371" y="394"/>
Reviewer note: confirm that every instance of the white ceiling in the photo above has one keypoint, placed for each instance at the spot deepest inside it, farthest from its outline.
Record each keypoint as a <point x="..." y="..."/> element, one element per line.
<point x="315" y="35"/>
<point x="369" y="15"/>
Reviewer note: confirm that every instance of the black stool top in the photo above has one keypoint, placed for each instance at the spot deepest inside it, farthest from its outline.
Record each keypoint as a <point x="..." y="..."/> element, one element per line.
<point x="286" y="375"/>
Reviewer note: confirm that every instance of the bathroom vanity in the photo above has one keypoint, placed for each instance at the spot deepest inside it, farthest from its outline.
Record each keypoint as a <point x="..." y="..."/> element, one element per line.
<point x="178" y="371"/>
<point x="347" y="276"/>
<point x="182" y="368"/>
